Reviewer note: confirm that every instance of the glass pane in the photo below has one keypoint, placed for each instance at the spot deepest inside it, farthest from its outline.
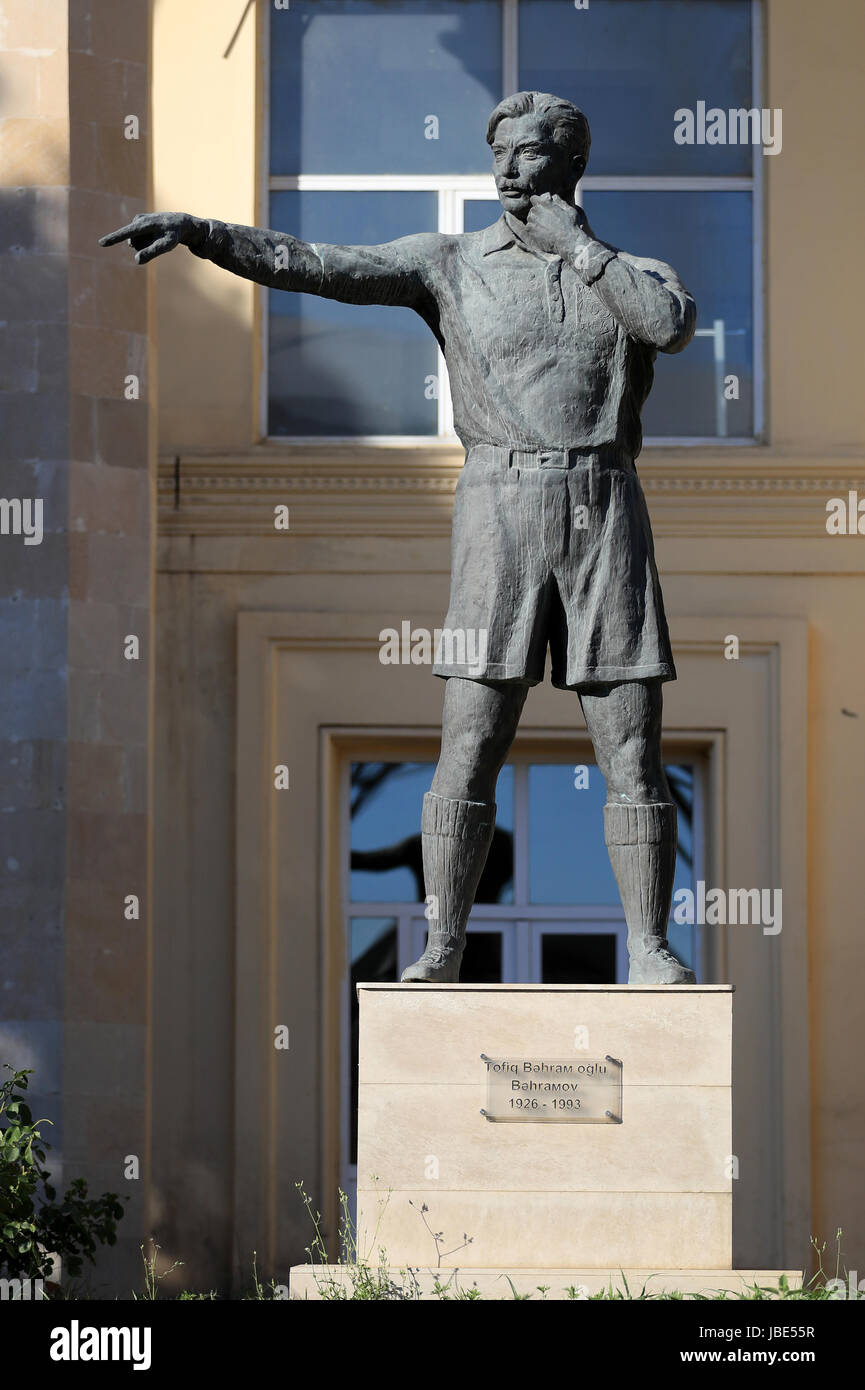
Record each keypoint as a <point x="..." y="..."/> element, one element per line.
<point x="373" y="957"/>
<point x="386" y="861"/>
<point x="567" y="858"/>
<point x="568" y="861"/>
<point x="707" y="239"/>
<point x="497" y="879"/>
<point x="386" y="864"/>
<point x="479" y="213"/>
<point x="482" y="962"/>
<point x="575" y="958"/>
<point x="683" y="939"/>
<point x="630" y="64"/>
<point x="383" y="86"/>
<point x="349" y="369"/>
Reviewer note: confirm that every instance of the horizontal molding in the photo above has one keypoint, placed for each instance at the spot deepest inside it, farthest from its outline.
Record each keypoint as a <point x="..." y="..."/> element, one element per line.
<point x="351" y="490"/>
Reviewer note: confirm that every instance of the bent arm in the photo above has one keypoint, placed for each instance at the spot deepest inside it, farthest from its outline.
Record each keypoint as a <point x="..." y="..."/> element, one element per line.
<point x="386" y="274"/>
<point x="646" y="297"/>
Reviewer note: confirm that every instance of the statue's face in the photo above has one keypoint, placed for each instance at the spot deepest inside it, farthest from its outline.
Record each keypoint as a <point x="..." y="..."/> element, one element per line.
<point x="527" y="161"/>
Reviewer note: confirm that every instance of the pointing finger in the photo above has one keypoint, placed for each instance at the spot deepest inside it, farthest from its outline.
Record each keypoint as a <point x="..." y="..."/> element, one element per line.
<point x="144" y="222"/>
<point x="122" y="234"/>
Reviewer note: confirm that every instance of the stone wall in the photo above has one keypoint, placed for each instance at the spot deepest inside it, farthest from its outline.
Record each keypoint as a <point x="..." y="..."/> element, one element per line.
<point x="75" y="712"/>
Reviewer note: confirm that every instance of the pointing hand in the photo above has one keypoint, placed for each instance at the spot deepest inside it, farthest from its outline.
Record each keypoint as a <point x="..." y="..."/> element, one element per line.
<point x="151" y="234"/>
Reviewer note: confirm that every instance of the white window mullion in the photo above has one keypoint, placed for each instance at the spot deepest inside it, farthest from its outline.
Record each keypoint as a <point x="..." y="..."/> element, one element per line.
<point x="521" y="834"/>
<point x="405" y="943"/>
<point x="623" y="963"/>
<point x="534" y="941"/>
<point x="379" y="183"/>
<point x="449" y="223"/>
<point x="524" y="952"/>
<point x="483" y="185"/>
<point x="510" y="970"/>
<point x="510" y="47"/>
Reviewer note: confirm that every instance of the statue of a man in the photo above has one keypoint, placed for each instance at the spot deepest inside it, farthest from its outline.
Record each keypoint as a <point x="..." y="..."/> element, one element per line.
<point x="550" y="337"/>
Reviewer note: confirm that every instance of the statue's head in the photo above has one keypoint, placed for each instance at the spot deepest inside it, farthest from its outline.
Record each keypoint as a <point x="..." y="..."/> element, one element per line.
<point x="540" y="144"/>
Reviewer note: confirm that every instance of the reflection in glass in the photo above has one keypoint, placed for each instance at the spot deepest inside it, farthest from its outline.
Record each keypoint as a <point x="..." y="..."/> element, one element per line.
<point x="707" y="238"/>
<point x="631" y="64"/>
<point x="575" y="958"/>
<point x="568" y="861"/>
<point x="386" y="854"/>
<point x="373" y="957"/>
<point x="683" y="939"/>
<point x="567" y="856"/>
<point x="354" y="83"/>
<point x="479" y="213"/>
<point x="349" y="369"/>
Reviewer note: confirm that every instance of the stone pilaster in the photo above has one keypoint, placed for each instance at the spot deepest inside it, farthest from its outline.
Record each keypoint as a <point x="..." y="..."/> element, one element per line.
<point x="75" y="713"/>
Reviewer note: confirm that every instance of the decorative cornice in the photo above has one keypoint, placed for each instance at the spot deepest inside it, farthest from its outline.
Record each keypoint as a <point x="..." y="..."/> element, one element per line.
<point x="353" y="490"/>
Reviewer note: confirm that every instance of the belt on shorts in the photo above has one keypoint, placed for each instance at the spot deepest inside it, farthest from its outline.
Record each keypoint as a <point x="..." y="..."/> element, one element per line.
<point x="609" y="456"/>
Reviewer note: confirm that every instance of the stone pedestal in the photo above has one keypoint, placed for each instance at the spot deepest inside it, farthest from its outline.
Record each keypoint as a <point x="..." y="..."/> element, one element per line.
<point x="559" y="1203"/>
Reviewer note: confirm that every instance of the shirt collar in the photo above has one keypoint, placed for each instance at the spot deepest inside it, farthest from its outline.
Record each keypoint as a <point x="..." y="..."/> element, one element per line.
<point x="506" y="232"/>
<point x="500" y="235"/>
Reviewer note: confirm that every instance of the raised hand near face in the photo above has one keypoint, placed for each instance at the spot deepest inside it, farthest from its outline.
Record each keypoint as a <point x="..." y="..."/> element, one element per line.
<point x="556" y="227"/>
<point x="151" y="234"/>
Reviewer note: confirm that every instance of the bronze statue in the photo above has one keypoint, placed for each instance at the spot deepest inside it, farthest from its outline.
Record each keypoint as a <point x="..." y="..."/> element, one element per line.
<point x="550" y="336"/>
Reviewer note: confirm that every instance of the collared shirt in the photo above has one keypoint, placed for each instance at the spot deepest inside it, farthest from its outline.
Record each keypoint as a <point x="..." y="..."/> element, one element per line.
<point x="541" y="353"/>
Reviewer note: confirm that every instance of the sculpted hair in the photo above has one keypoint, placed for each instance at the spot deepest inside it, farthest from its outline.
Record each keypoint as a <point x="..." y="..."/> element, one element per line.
<point x="565" y="121"/>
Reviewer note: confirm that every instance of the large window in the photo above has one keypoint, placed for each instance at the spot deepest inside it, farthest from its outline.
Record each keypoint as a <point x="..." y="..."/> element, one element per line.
<point x="547" y="907"/>
<point x="378" y="110"/>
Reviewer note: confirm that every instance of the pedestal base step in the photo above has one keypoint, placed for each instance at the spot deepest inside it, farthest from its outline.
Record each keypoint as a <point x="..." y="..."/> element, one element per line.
<point x="342" y="1281"/>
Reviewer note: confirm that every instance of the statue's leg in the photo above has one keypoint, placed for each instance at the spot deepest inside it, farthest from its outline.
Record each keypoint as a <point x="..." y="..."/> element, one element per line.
<point x="478" y="726"/>
<point x="624" y="723"/>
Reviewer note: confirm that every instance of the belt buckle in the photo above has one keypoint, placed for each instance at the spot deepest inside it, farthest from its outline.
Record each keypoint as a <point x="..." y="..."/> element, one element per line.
<point x="552" y="458"/>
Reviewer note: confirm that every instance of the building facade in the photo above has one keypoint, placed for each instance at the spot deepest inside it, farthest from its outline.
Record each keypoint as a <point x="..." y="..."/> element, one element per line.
<point x="301" y="472"/>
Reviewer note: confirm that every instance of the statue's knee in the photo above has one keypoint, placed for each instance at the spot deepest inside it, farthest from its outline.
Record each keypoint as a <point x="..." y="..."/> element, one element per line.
<point x="476" y="736"/>
<point x="636" y="775"/>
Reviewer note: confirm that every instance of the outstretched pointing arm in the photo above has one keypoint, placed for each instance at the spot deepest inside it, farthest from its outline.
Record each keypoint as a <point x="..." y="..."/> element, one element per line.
<point x="274" y="259"/>
<point x="386" y="274"/>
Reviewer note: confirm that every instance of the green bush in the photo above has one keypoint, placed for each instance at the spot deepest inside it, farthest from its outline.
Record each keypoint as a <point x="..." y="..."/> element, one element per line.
<point x="34" y="1226"/>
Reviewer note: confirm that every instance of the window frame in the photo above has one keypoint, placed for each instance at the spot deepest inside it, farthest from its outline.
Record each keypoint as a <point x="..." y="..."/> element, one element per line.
<point x="454" y="190"/>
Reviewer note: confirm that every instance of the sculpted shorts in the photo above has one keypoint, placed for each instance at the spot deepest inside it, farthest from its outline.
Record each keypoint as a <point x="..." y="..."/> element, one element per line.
<point x="553" y="549"/>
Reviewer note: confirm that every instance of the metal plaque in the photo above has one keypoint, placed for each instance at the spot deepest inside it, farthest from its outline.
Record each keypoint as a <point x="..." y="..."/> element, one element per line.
<point x="554" y="1090"/>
